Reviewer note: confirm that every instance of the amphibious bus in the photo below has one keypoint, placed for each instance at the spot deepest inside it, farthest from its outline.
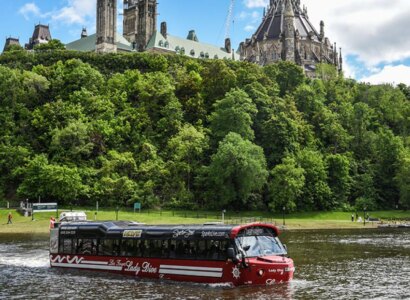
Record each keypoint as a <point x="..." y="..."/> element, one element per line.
<point x="248" y="254"/>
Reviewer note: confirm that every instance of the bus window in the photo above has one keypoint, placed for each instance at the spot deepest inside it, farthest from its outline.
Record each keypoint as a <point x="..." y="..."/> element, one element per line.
<point x="172" y="248"/>
<point x="109" y="247"/>
<point x="190" y="250"/>
<point x="164" y="249"/>
<point x="143" y="248"/>
<point x="128" y="248"/>
<point x="223" y="253"/>
<point x="201" y="250"/>
<point x="154" y="248"/>
<point x="87" y="246"/>
<point x="66" y="246"/>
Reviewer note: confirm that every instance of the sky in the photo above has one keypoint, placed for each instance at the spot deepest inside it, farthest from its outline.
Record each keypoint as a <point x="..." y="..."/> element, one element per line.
<point x="374" y="34"/>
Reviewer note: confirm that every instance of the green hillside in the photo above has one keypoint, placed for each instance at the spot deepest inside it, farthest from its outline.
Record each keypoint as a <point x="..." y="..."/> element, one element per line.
<point x="173" y="132"/>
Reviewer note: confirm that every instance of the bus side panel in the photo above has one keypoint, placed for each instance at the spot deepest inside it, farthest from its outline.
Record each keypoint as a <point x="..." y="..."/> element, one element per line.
<point x="54" y="241"/>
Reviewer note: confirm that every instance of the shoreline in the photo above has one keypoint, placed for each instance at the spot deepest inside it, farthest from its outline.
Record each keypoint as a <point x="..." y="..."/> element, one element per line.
<point x="294" y="222"/>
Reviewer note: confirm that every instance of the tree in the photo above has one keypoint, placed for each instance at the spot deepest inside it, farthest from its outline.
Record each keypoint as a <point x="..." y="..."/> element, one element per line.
<point x="49" y="181"/>
<point x="72" y="143"/>
<point x="284" y="132"/>
<point x="316" y="192"/>
<point x="387" y="150"/>
<point x="11" y="48"/>
<point x="286" y="185"/>
<point x="234" y="113"/>
<point x="287" y="74"/>
<point x="403" y="180"/>
<point x="54" y="44"/>
<point x="236" y="171"/>
<point x="339" y="178"/>
<point x="70" y="76"/>
<point x="186" y="152"/>
<point x="218" y="79"/>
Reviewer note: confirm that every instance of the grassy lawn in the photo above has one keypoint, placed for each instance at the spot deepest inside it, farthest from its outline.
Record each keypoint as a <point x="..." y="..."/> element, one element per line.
<point x="307" y="220"/>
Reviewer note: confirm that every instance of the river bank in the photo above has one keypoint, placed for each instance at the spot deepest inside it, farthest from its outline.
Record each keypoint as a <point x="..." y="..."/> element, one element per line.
<point x="297" y="221"/>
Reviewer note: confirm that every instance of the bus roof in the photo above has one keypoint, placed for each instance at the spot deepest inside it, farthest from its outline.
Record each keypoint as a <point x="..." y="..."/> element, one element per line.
<point x="116" y="229"/>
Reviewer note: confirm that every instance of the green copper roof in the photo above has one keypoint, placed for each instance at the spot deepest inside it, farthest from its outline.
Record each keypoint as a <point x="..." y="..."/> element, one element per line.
<point x="190" y="48"/>
<point x="87" y="44"/>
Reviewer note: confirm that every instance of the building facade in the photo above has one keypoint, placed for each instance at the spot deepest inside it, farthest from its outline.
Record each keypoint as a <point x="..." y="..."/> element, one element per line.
<point x="106" y="26"/>
<point x="286" y="34"/>
<point x="140" y="33"/>
<point x="140" y="22"/>
<point x="41" y="35"/>
<point x="10" y="41"/>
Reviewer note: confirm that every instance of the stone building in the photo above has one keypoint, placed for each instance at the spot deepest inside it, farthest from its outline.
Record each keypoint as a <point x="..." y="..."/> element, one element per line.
<point x="140" y="22"/>
<point x="41" y="35"/>
<point x="106" y="26"/>
<point x="140" y="33"/>
<point x="286" y="34"/>
<point x="11" y="41"/>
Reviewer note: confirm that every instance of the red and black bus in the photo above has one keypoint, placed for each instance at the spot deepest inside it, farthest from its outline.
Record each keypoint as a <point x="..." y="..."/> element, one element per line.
<point x="234" y="254"/>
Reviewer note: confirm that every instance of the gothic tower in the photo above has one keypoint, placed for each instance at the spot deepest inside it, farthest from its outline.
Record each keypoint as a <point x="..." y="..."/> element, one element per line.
<point x="130" y="22"/>
<point x="106" y="26"/>
<point x="286" y="33"/>
<point x="289" y="32"/>
<point x="140" y="21"/>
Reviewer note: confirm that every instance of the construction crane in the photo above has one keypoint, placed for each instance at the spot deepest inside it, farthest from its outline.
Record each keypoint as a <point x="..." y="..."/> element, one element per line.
<point x="229" y="19"/>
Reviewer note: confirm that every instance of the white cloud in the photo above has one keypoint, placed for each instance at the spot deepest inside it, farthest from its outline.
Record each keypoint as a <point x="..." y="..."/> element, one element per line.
<point x="374" y="30"/>
<point x="75" y="12"/>
<point x="256" y="3"/>
<point x="29" y="9"/>
<point x="390" y="74"/>
<point x="249" y="28"/>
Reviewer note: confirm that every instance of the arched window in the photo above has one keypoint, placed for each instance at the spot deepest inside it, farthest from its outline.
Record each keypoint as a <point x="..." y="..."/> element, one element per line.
<point x="216" y="57"/>
<point x="182" y="50"/>
<point x="177" y="49"/>
<point x="207" y="55"/>
<point x="166" y="45"/>
<point x="192" y="52"/>
<point x="161" y="43"/>
<point x="202" y="55"/>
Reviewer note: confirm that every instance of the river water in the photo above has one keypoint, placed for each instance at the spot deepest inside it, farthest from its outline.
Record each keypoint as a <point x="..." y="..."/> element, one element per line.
<point x="330" y="264"/>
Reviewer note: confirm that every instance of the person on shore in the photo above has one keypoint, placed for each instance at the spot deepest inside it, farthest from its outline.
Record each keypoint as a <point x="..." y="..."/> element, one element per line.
<point x="10" y="218"/>
<point x="352" y="217"/>
<point x="52" y="222"/>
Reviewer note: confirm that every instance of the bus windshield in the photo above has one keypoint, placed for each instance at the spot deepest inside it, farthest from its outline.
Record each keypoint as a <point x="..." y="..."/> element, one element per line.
<point x="255" y="246"/>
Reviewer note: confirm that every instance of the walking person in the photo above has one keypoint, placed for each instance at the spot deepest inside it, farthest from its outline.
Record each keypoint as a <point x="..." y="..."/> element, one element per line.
<point x="9" y="218"/>
<point x="352" y="217"/>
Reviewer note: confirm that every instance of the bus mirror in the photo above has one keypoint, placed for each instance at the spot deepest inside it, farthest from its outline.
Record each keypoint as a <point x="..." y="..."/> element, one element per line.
<point x="231" y="253"/>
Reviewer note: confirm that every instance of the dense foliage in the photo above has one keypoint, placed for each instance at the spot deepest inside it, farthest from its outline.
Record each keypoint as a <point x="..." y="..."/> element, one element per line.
<point x="175" y="132"/>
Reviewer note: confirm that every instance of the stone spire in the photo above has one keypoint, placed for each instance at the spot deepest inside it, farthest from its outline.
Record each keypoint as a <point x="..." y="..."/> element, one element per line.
<point x="84" y="33"/>
<point x="106" y="26"/>
<point x="289" y="31"/>
<point x="340" y="60"/>
<point x="322" y="30"/>
<point x="289" y="9"/>
<point x="147" y="22"/>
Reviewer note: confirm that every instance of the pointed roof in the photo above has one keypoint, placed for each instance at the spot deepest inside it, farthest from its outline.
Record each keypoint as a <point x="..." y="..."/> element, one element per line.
<point x="188" y="47"/>
<point x="289" y="9"/>
<point x="87" y="44"/>
<point x="272" y="25"/>
<point x="41" y="32"/>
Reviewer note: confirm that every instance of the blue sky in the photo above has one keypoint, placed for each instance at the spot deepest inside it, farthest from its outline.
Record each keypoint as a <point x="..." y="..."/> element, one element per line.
<point x="373" y="33"/>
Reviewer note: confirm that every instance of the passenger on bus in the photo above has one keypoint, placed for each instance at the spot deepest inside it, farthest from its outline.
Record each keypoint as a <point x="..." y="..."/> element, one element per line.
<point x="172" y="253"/>
<point x="52" y="222"/>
